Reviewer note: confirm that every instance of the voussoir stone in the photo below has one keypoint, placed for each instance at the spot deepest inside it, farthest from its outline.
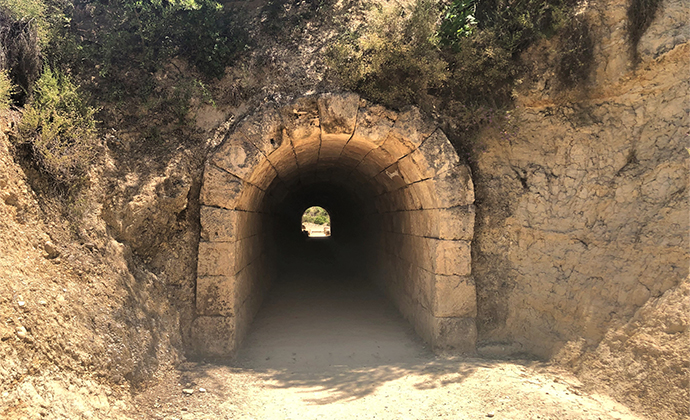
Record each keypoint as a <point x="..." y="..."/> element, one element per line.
<point x="218" y="225"/>
<point x="220" y="188"/>
<point x="337" y="114"/>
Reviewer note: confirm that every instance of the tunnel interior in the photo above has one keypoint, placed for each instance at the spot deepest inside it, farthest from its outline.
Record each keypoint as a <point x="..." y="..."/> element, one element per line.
<point x="401" y="208"/>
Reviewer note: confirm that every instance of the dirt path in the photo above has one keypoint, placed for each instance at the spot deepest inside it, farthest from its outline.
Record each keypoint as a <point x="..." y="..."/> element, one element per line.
<point x="339" y="350"/>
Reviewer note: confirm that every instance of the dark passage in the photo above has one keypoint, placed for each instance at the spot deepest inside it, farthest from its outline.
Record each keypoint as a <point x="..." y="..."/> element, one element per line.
<point x="324" y="308"/>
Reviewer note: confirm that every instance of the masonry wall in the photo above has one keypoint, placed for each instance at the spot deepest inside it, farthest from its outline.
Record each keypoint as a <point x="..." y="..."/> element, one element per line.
<point x="405" y="179"/>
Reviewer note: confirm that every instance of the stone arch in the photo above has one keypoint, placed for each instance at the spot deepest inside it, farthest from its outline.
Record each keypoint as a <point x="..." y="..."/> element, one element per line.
<point x="417" y="200"/>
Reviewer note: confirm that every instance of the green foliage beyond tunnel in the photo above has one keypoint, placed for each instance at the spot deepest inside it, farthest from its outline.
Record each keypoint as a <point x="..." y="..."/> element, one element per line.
<point x="317" y="215"/>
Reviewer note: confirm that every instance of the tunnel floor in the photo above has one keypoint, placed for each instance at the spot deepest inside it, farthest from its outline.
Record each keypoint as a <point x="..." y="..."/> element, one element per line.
<point x="323" y="312"/>
<point x="326" y="344"/>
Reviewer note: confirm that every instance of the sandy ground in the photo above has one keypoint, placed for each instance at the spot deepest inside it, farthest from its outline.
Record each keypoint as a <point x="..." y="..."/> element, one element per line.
<point x="326" y="346"/>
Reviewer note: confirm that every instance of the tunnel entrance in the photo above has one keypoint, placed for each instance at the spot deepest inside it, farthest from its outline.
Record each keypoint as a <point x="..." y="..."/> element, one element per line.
<point x="399" y="198"/>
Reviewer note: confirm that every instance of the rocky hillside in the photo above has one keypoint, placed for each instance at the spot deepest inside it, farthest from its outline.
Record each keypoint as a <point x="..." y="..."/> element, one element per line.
<point x="581" y="246"/>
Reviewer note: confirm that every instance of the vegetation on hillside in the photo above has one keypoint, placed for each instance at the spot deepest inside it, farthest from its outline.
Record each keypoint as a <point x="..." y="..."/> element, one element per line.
<point x="59" y="129"/>
<point x="317" y="215"/>
<point x="457" y="59"/>
<point x="463" y="55"/>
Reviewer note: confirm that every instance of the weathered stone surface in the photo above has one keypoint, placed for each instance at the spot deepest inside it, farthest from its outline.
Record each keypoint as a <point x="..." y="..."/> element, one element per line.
<point x="436" y="155"/>
<point x="215" y="295"/>
<point x="264" y="130"/>
<point x="216" y="258"/>
<point x="263" y="174"/>
<point x="451" y="258"/>
<point x="412" y="128"/>
<point x="214" y="336"/>
<point x="237" y="155"/>
<point x="454" y="296"/>
<point x="251" y="198"/>
<point x="390" y="178"/>
<point x="451" y="188"/>
<point x="218" y="225"/>
<point x="396" y="148"/>
<point x="409" y="170"/>
<point x="219" y="188"/>
<point x="302" y="126"/>
<point x="455" y="223"/>
<point x="374" y="122"/>
<point x="337" y="114"/>
<point x="249" y="224"/>
<point x="248" y="250"/>
<point x="457" y="335"/>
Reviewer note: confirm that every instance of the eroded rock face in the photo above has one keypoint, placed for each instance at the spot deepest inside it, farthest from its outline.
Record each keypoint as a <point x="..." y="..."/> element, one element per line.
<point x="595" y="213"/>
<point x="582" y="215"/>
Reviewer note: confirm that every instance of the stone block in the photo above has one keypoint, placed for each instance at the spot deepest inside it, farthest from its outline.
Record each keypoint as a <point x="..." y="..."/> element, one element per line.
<point x="409" y="170"/>
<point x="454" y="296"/>
<point x="420" y="223"/>
<point x="451" y="258"/>
<point x="251" y="198"/>
<point x="374" y="123"/>
<point x="264" y="129"/>
<point x="424" y="195"/>
<point x="454" y="335"/>
<point x="356" y="149"/>
<point x="395" y="148"/>
<point x="214" y="336"/>
<point x="249" y="224"/>
<point x="337" y="115"/>
<point x="248" y="250"/>
<point x="390" y="178"/>
<point x="412" y="128"/>
<point x="237" y="155"/>
<point x="301" y="119"/>
<point x="263" y="174"/>
<point x="218" y="225"/>
<point x="215" y="295"/>
<point x="435" y="155"/>
<point x="375" y="162"/>
<point x="216" y="259"/>
<point x="284" y="161"/>
<point x="331" y="148"/>
<point x="455" y="223"/>
<point x="307" y="151"/>
<point x="219" y="188"/>
<point x="454" y="187"/>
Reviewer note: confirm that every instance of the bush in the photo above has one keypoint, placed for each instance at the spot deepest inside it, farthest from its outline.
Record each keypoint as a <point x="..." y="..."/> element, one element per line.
<point x="396" y="59"/>
<point x="145" y="34"/>
<point x="19" y="53"/>
<point x="59" y="128"/>
<point x="6" y="90"/>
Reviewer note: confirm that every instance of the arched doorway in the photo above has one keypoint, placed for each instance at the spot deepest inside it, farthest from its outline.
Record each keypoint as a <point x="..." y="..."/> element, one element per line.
<point x="394" y="178"/>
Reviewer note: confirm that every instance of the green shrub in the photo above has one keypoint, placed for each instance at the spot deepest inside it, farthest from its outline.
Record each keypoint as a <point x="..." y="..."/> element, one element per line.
<point x="396" y="59"/>
<point x="6" y="90"/>
<point x="145" y="34"/>
<point x="19" y="53"/>
<point x="59" y="128"/>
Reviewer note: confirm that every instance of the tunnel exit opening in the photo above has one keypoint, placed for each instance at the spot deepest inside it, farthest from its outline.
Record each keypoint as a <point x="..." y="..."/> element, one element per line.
<point x="316" y="222"/>
<point x="402" y="200"/>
